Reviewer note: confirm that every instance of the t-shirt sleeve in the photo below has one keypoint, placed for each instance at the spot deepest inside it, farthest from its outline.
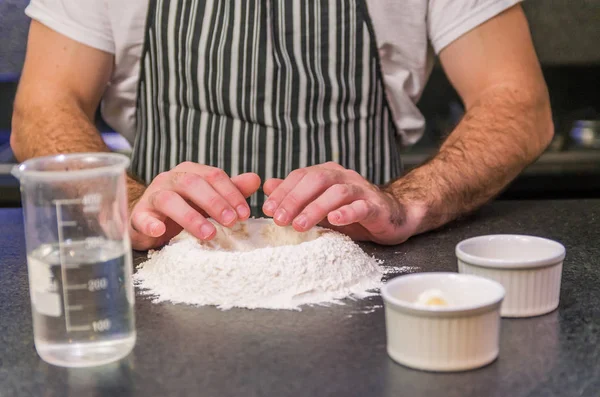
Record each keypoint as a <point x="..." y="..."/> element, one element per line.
<point x="84" y="21"/>
<point x="447" y="20"/>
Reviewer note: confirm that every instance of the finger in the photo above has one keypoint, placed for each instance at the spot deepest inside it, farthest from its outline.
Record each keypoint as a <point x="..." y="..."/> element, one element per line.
<point x="355" y="231"/>
<point x="199" y="191"/>
<point x="333" y="165"/>
<point x="176" y="208"/>
<point x="334" y="197"/>
<point x="224" y="186"/>
<point x="313" y="185"/>
<point x="271" y="184"/>
<point x="358" y="211"/>
<point x="144" y="223"/>
<point x="247" y="183"/>
<point x="277" y="195"/>
<point x="190" y="166"/>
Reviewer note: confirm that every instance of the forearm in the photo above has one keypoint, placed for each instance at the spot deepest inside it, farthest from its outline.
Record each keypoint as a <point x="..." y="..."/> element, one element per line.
<point x="50" y="126"/>
<point x="501" y="133"/>
<point x="57" y="126"/>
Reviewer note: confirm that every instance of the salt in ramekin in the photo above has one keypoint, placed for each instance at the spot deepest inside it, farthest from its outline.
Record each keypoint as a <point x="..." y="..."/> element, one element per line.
<point x="461" y="336"/>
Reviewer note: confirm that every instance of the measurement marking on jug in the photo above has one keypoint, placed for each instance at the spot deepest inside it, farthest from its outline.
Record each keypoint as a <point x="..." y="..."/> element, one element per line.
<point x="80" y="328"/>
<point x="97" y="284"/>
<point x="101" y="325"/>
<point x="63" y="268"/>
<point x="67" y="201"/>
<point x="91" y="202"/>
<point x="63" y="252"/>
<point x="76" y="287"/>
<point x="66" y="248"/>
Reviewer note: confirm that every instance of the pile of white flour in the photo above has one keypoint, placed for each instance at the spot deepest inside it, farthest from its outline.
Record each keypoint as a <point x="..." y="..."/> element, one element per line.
<point x="258" y="264"/>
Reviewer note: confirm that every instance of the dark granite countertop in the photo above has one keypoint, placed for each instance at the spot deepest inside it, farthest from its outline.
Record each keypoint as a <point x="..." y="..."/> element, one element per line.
<point x="329" y="351"/>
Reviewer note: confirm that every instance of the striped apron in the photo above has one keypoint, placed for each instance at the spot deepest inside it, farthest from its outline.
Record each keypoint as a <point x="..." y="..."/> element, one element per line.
<point x="264" y="86"/>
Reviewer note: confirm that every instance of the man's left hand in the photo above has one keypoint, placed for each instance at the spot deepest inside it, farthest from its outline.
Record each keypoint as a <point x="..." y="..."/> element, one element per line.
<point x="330" y="195"/>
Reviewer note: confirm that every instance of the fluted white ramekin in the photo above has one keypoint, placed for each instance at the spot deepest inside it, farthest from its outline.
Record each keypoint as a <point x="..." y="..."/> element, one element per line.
<point x="528" y="267"/>
<point x="461" y="336"/>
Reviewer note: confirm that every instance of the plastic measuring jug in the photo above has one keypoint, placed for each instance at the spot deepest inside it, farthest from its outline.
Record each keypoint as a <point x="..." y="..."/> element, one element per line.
<point x="78" y="257"/>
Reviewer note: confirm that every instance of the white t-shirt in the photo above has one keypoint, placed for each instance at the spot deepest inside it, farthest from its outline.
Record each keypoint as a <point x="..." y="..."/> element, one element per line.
<point x="409" y="33"/>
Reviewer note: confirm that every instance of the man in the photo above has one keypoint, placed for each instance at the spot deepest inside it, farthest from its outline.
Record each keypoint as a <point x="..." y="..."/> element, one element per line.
<point x="311" y="96"/>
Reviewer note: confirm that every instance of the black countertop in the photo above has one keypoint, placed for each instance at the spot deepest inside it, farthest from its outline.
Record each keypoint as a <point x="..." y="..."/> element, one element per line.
<point x="329" y="351"/>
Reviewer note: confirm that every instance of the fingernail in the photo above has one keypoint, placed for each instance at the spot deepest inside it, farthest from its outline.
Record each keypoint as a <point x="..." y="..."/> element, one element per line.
<point x="243" y="211"/>
<point x="228" y="216"/>
<point x="154" y="229"/>
<point x="206" y="231"/>
<point x="336" y="216"/>
<point x="281" y="216"/>
<point x="301" y="221"/>
<point x="269" y="206"/>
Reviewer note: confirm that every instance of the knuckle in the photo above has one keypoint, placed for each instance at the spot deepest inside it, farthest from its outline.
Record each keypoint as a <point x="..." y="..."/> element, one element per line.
<point x="346" y="212"/>
<point x="298" y="173"/>
<point x="369" y="209"/>
<point x="322" y="178"/>
<point x="162" y="198"/>
<point x="185" y="164"/>
<point x="190" y="217"/>
<point x="361" y="208"/>
<point x="333" y="164"/>
<point x="215" y="203"/>
<point x="290" y="201"/>
<point x="184" y="179"/>
<point x="162" y="177"/>
<point x="343" y="190"/>
<point x="316" y="209"/>
<point x="234" y="198"/>
<point x="215" y="174"/>
<point x="352" y="174"/>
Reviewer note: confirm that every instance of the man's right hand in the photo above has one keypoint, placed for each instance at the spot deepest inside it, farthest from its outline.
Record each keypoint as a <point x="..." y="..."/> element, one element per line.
<point x="183" y="198"/>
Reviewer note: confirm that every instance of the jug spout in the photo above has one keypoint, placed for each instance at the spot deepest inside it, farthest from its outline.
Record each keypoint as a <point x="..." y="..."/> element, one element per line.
<point x="16" y="171"/>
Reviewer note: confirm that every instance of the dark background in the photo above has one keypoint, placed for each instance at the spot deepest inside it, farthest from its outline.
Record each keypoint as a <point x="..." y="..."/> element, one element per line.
<point x="566" y="35"/>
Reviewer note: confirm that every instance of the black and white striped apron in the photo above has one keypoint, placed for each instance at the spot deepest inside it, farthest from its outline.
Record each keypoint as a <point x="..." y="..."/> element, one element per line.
<point x="265" y="86"/>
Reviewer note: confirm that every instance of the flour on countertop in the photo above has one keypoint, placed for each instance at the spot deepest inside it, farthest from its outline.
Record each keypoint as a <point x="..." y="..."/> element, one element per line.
<point x="258" y="264"/>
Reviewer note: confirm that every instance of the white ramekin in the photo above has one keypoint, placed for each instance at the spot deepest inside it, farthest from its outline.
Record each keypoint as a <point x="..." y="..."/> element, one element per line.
<point x="528" y="267"/>
<point x="458" y="337"/>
